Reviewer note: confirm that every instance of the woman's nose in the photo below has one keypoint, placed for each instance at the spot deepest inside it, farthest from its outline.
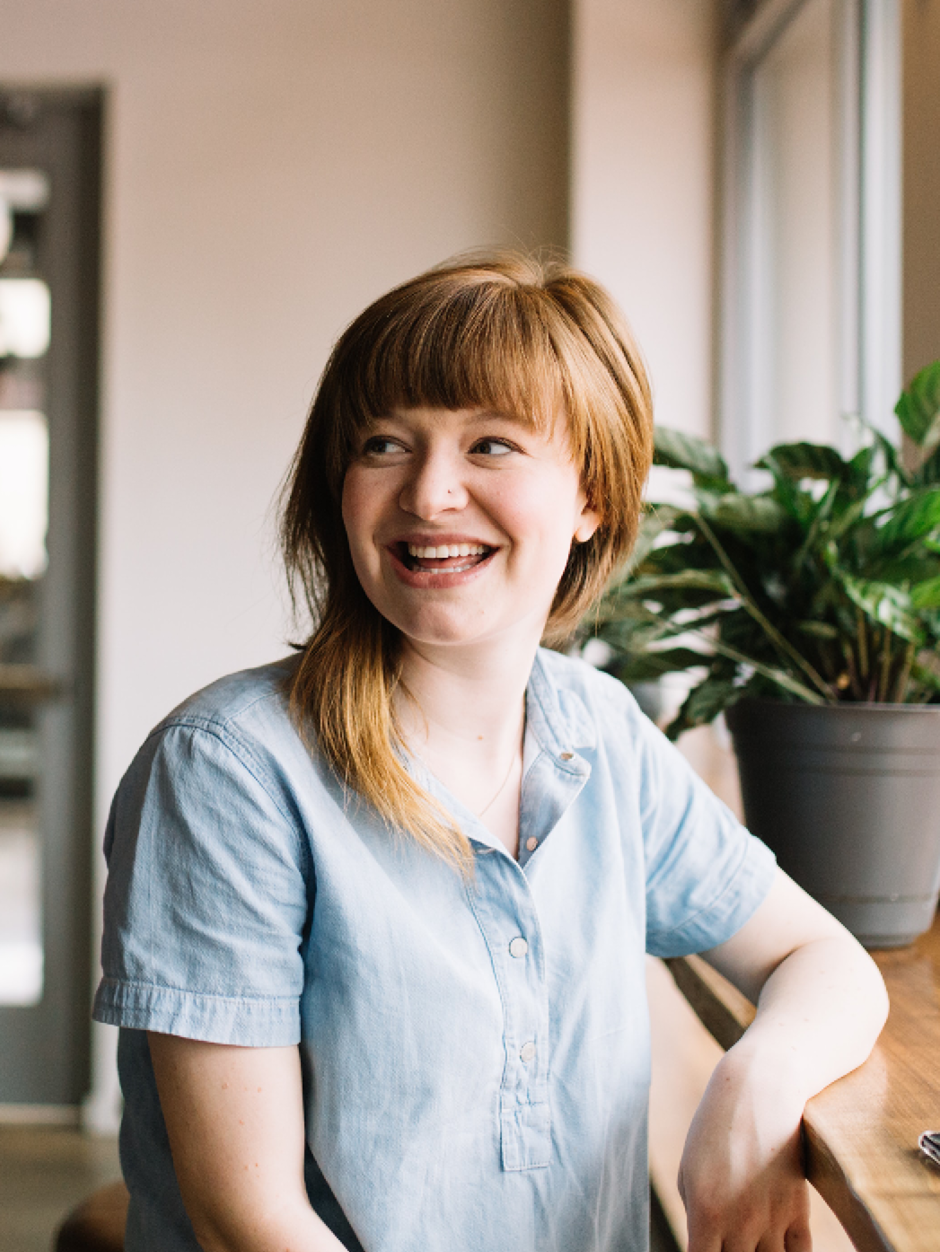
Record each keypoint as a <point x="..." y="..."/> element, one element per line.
<point x="434" y="485"/>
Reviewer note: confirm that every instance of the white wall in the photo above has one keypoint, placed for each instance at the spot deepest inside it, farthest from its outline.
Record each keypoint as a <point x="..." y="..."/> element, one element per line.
<point x="271" y="165"/>
<point x="642" y="137"/>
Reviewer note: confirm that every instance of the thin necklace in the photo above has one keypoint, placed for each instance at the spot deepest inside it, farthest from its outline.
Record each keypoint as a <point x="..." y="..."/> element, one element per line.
<point x="493" y="798"/>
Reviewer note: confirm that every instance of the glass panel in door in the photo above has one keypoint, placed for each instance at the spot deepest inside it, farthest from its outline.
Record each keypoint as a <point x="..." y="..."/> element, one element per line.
<point x="25" y="327"/>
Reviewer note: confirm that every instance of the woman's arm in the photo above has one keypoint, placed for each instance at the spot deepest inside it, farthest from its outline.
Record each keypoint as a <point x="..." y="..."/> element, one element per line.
<point x="235" y="1122"/>
<point x="821" y="1003"/>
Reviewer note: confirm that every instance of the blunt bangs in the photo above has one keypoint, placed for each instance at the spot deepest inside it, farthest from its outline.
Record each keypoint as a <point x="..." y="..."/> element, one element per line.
<point x="458" y="345"/>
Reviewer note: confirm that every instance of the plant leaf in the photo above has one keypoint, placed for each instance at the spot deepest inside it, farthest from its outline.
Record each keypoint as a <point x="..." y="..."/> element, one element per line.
<point x="803" y="460"/>
<point x="820" y="520"/>
<point x="926" y="595"/>
<point x="917" y="565"/>
<point x="892" y="460"/>
<point x="651" y="665"/>
<point x="885" y="604"/>
<point x="677" y="450"/>
<point x="846" y="519"/>
<point x="909" y="521"/>
<point x="918" y="409"/>
<point x="644" y="587"/>
<point x="745" y="514"/>
<point x="656" y="520"/>
<point x="862" y="465"/>
<point x="703" y="704"/>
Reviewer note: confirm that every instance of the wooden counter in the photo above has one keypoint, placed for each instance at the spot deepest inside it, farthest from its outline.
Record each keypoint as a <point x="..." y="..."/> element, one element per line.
<point x="861" y="1133"/>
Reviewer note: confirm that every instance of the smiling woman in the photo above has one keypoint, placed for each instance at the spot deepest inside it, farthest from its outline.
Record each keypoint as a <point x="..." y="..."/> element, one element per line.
<point x="377" y="915"/>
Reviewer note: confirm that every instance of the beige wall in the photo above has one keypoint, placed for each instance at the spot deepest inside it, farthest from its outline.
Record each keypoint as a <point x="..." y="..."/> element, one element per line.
<point x="921" y="166"/>
<point x="271" y="166"/>
<point x="642" y="139"/>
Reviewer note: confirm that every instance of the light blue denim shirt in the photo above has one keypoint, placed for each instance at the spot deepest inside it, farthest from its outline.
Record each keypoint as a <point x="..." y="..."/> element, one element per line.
<point x="475" y="1054"/>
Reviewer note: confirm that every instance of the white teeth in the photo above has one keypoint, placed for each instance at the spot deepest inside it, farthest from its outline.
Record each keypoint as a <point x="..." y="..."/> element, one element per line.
<point x="446" y="550"/>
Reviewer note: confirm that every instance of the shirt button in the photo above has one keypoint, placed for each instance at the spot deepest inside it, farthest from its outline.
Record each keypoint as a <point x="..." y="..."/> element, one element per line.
<point x="531" y="843"/>
<point x="567" y="756"/>
<point x="527" y="1053"/>
<point x="518" y="946"/>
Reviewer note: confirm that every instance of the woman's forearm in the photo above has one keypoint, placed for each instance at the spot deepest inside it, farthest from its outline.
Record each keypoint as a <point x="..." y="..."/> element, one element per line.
<point x="821" y="1000"/>
<point x="820" y="1005"/>
<point x="818" y="1014"/>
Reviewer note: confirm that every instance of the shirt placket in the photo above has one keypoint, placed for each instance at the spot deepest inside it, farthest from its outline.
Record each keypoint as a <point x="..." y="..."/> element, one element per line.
<point x="504" y="907"/>
<point x="502" y="900"/>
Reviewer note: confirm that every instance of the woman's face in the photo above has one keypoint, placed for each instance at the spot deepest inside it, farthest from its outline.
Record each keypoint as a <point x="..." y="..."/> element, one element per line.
<point x="460" y="523"/>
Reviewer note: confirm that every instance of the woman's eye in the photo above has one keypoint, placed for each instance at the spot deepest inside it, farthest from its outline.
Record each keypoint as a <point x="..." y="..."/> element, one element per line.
<point x="492" y="447"/>
<point x="379" y="445"/>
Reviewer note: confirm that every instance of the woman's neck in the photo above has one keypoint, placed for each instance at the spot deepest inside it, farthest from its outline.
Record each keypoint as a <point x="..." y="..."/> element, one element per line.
<point x="463" y="714"/>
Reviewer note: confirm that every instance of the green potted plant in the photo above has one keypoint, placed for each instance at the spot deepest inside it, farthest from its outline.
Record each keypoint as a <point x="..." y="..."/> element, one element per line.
<point x="808" y="612"/>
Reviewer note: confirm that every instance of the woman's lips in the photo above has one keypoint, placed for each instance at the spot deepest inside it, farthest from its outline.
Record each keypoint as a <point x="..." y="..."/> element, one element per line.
<point x="438" y="565"/>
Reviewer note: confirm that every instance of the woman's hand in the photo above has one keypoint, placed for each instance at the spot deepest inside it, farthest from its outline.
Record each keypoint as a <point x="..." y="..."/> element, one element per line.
<point x="821" y="1003"/>
<point x="741" y="1176"/>
<point x="235" y="1122"/>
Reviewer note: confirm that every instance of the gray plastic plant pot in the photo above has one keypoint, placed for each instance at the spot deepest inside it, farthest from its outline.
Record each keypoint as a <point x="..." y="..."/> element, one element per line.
<point x="848" y="797"/>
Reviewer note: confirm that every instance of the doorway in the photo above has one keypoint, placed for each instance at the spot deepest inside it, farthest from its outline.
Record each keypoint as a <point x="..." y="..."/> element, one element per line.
<point x="50" y="170"/>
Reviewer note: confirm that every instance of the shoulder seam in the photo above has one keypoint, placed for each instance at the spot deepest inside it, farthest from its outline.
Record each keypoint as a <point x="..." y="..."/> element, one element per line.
<point x="232" y="742"/>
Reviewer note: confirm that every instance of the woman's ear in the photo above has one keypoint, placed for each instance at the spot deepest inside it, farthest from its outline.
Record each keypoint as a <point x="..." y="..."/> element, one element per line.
<point x="587" y="523"/>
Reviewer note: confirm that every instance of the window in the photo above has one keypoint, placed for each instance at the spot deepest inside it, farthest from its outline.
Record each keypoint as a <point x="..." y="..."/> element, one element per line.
<point x="810" y="286"/>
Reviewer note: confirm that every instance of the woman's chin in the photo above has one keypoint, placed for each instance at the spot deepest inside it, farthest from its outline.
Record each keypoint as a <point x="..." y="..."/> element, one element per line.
<point x="486" y="636"/>
<point x="443" y="631"/>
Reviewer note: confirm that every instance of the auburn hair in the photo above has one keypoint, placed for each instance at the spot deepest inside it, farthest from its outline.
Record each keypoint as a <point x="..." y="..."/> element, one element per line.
<point x="535" y="341"/>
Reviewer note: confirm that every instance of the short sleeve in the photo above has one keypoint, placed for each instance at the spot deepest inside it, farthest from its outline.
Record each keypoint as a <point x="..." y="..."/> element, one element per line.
<point x="207" y="897"/>
<point x="705" y="873"/>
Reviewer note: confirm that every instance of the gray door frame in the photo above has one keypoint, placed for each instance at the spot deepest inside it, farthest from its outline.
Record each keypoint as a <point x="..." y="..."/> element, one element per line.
<point x="44" y="1049"/>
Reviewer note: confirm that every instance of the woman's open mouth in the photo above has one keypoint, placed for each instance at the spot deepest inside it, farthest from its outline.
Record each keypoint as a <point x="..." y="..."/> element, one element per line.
<point x="445" y="558"/>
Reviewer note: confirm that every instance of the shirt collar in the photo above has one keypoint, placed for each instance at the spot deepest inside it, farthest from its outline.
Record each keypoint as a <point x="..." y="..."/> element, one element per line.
<point x="559" y="724"/>
<point x="557" y="717"/>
